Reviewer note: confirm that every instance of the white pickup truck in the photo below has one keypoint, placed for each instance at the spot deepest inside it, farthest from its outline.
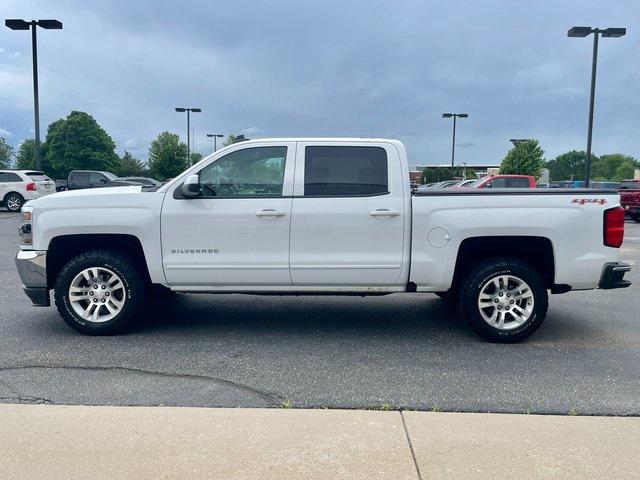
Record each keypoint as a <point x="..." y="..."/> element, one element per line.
<point x="295" y="216"/>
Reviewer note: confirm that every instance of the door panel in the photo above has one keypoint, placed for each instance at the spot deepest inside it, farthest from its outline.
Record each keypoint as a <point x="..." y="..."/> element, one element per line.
<point x="340" y="234"/>
<point x="228" y="240"/>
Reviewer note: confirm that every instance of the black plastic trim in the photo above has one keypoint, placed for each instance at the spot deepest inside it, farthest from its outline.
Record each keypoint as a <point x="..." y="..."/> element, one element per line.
<point x="39" y="296"/>
<point x="613" y="276"/>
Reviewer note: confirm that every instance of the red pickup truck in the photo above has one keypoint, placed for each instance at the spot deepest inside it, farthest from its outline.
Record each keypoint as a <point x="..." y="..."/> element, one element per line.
<point x="505" y="181"/>
<point x="630" y="201"/>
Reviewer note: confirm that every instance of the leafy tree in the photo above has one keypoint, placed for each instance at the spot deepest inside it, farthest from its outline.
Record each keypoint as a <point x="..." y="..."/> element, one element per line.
<point x="78" y="143"/>
<point x="130" y="166"/>
<point x="572" y="165"/>
<point x="231" y="139"/>
<point x="25" y="158"/>
<point x="615" y="167"/>
<point x="569" y="166"/>
<point x="525" y="158"/>
<point x="440" y="174"/>
<point x="195" y="158"/>
<point x="6" y="153"/>
<point x="167" y="156"/>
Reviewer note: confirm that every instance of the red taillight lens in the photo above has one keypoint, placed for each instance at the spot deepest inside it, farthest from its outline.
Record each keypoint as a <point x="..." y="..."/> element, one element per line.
<point x="614" y="227"/>
<point x="31" y="187"/>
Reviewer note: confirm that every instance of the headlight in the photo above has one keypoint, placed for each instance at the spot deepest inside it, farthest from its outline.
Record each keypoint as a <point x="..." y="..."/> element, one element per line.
<point x="26" y="230"/>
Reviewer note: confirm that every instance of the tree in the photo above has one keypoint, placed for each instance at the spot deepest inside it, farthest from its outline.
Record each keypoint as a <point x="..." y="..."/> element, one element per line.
<point x="25" y="158"/>
<point x="6" y="153"/>
<point x="525" y="158"/>
<point x="167" y="156"/>
<point x="78" y="143"/>
<point x="231" y="139"/>
<point x="440" y="174"/>
<point x="569" y="166"/>
<point x="195" y="158"/>
<point x="615" y="167"/>
<point x="130" y="166"/>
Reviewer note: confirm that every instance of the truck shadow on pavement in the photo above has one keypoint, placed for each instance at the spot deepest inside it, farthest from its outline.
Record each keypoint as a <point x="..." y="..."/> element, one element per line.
<point x="423" y="315"/>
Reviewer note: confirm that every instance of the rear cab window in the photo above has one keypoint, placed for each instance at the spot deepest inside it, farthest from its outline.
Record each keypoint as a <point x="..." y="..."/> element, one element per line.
<point x="345" y="171"/>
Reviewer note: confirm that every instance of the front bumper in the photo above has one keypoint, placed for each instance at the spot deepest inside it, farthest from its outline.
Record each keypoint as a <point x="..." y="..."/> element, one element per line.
<point x="32" y="268"/>
<point x="613" y="276"/>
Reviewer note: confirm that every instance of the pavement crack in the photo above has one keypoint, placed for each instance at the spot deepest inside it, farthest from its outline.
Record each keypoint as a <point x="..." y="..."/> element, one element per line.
<point x="269" y="397"/>
<point x="413" y="453"/>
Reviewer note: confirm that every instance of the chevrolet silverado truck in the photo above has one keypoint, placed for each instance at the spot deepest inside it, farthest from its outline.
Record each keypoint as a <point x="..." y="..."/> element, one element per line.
<point x="309" y="216"/>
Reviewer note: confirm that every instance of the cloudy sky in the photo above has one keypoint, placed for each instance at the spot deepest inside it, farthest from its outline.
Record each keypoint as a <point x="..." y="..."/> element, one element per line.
<point x="331" y="68"/>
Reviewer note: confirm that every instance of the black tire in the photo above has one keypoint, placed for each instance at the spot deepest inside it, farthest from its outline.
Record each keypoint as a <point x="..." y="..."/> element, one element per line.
<point x="635" y="216"/>
<point x="135" y="289"/>
<point x="477" y="278"/>
<point x="13" y="202"/>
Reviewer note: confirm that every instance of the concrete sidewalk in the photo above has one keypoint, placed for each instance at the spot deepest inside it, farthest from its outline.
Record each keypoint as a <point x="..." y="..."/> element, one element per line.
<point x="70" y="442"/>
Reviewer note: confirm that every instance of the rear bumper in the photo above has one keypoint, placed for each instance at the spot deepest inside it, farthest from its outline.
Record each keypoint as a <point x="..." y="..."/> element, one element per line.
<point x="613" y="276"/>
<point x="32" y="268"/>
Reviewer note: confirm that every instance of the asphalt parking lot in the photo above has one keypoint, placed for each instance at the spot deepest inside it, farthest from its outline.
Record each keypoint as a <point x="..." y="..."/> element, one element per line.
<point x="400" y="351"/>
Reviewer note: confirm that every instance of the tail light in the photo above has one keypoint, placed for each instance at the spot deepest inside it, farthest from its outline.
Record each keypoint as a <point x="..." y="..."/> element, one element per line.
<point x="614" y="227"/>
<point x="31" y="187"/>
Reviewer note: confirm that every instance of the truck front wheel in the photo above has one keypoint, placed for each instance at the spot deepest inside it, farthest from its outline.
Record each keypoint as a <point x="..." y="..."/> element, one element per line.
<point x="100" y="292"/>
<point x="504" y="299"/>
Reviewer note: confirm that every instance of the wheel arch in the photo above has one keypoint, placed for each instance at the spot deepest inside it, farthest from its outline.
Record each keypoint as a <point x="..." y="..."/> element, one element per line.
<point x="64" y="247"/>
<point x="534" y="250"/>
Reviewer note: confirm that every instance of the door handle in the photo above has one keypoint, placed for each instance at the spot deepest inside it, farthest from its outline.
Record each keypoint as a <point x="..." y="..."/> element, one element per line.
<point x="384" y="212"/>
<point x="270" y="212"/>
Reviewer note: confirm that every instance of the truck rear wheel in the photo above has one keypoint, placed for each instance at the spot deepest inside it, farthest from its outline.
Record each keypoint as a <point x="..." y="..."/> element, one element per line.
<point x="100" y="292"/>
<point x="635" y="216"/>
<point x="504" y="299"/>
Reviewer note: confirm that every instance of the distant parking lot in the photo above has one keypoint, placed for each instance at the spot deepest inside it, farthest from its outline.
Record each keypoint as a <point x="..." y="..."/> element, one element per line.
<point x="400" y="351"/>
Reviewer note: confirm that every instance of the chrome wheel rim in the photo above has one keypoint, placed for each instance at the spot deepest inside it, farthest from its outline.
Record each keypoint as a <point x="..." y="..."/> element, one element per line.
<point x="97" y="294"/>
<point x="506" y="302"/>
<point x="13" y="203"/>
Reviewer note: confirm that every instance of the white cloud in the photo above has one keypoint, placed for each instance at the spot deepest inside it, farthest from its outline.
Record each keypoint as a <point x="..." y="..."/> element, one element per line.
<point x="5" y="133"/>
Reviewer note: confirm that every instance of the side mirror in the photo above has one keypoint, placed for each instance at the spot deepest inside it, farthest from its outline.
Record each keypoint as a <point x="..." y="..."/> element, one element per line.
<point x="191" y="186"/>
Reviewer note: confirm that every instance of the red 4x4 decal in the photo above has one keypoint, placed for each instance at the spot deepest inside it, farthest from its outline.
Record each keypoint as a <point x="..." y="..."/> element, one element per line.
<point x="583" y="201"/>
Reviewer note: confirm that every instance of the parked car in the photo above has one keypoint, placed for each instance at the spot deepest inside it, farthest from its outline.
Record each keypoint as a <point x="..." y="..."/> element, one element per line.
<point x="81" y="179"/>
<point x="630" y="201"/>
<point x="296" y="216"/>
<point x="145" y="181"/>
<point x="463" y="183"/>
<point x="18" y="186"/>
<point x="443" y="184"/>
<point x="504" y="181"/>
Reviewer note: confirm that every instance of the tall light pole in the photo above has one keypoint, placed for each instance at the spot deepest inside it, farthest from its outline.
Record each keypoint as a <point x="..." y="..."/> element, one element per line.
<point x="18" y="24"/>
<point x="215" y="137"/>
<point x="453" y="143"/>
<point x="606" y="33"/>
<point x="188" y="110"/>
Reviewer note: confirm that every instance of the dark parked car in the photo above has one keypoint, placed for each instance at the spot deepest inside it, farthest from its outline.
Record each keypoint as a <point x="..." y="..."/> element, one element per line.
<point x="79" y="179"/>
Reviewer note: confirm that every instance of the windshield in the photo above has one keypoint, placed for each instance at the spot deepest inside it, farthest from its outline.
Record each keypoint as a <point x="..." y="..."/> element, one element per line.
<point x="109" y="175"/>
<point x="475" y="183"/>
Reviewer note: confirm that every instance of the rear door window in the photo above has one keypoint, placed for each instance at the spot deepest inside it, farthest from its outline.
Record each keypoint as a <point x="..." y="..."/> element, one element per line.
<point x="9" y="177"/>
<point x="517" y="183"/>
<point x="349" y="171"/>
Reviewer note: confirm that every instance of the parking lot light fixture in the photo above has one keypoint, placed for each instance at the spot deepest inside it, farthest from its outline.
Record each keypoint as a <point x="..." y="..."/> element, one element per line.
<point x="188" y="110"/>
<point x="580" y="32"/>
<point x="215" y="137"/>
<point x="453" y="143"/>
<point x="19" y="24"/>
